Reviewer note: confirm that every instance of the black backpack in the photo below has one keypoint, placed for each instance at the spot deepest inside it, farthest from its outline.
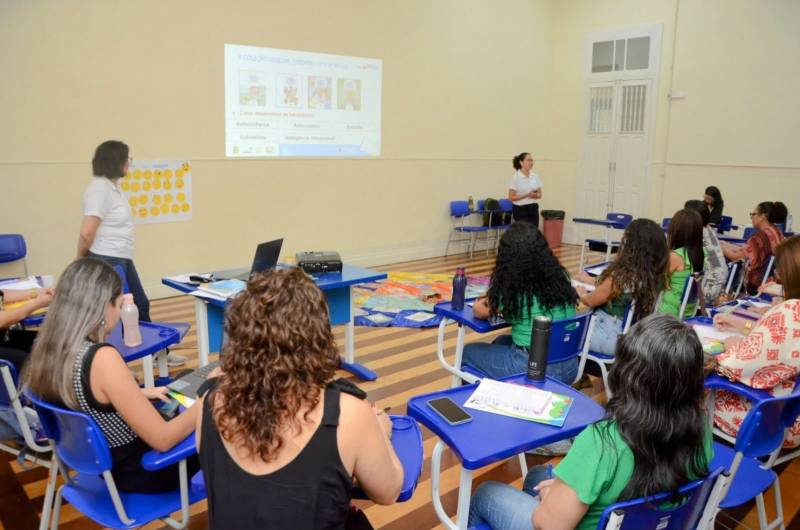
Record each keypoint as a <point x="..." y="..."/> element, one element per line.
<point x="492" y="213"/>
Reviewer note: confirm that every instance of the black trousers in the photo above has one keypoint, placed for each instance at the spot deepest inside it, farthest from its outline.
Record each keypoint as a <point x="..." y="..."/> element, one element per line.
<point x="528" y="213"/>
<point x="17" y="347"/>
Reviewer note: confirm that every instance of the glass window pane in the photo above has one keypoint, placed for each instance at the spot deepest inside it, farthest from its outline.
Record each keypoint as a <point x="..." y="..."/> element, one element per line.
<point x="638" y="53"/>
<point x="619" y="56"/>
<point x="602" y="56"/>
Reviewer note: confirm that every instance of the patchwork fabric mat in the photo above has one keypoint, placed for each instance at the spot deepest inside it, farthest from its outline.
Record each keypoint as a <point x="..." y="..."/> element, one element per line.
<point x="406" y="299"/>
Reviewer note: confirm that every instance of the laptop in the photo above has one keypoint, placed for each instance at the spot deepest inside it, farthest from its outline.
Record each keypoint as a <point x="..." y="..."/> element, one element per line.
<point x="266" y="257"/>
<point x="189" y="384"/>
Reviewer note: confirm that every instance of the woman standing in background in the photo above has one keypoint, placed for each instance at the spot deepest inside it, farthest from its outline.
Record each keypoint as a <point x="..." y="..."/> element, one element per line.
<point x="714" y="203"/>
<point x="107" y="227"/>
<point x="525" y="189"/>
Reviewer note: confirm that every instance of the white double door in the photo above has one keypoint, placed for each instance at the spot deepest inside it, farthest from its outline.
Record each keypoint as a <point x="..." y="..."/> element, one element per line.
<point x="614" y="167"/>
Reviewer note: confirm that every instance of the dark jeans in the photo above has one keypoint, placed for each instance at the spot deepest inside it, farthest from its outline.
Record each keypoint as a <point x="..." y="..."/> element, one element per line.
<point x="134" y="284"/>
<point x="528" y="213"/>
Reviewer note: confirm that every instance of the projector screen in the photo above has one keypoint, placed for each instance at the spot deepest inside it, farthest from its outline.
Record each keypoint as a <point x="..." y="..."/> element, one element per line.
<point x="292" y="103"/>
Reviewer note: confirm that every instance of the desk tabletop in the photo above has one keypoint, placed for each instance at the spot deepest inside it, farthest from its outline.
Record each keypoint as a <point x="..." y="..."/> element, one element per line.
<point x="600" y="222"/>
<point x="492" y="437"/>
<point x="467" y="318"/>
<point x="155" y="337"/>
<point x="350" y="275"/>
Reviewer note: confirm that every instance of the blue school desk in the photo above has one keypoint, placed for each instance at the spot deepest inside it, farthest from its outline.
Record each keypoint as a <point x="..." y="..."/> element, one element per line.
<point x="465" y="319"/>
<point x="337" y="287"/>
<point x="155" y="338"/>
<point x="489" y="438"/>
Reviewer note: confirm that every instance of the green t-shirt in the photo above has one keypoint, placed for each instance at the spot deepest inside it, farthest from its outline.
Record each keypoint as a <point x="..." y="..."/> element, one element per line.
<point x="598" y="470"/>
<point x="521" y="329"/>
<point x="671" y="300"/>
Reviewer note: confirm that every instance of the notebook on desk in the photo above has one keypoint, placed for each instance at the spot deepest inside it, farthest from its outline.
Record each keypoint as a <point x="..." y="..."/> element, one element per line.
<point x="266" y="257"/>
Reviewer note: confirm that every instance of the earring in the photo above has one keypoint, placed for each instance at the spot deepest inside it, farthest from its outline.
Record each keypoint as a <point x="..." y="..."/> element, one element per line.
<point x="103" y="323"/>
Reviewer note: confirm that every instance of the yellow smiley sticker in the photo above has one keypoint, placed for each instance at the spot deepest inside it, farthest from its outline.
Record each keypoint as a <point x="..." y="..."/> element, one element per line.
<point x="167" y="173"/>
<point x="146" y="186"/>
<point x="157" y="173"/>
<point x="179" y="173"/>
<point x="179" y="184"/>
<point x="185" y="207"/>
<point x="176" y="208"/>
<point x="181" y="197"/>
<point x="135" y="187"/>
<point x="125" y="186"/>
<point x="156" y="184"/>
<point x="148" y="173"/>
<point x="167" y="185"/>
<point x="142" y="199"/>
<point x="132" y="201"/>
<point x="137" y="174"/>
<point x="164" y="208"/>
<point x="154" y="211"/>
<point x="186" y="167"/>
<point x="156" y="199"/>
<point x="128" y="175"/>
<point x="142" y="212"/>
<point x="167" y="198"/>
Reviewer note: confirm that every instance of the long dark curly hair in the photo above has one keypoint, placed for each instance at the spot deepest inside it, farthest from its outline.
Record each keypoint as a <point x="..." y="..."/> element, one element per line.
<point x="640" y="267"/>
<point x="686" y="231"/>
<point x="279" y="357"/>
<point x="657" y="405"/>
<point x="526" y="269"/>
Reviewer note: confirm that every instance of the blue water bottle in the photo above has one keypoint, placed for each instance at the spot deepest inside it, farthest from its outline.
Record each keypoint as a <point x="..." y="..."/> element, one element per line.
<point x="459" y="289"/>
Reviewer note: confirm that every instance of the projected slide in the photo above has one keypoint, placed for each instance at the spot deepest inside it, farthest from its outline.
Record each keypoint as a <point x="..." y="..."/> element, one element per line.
<point x="291" y="103"/>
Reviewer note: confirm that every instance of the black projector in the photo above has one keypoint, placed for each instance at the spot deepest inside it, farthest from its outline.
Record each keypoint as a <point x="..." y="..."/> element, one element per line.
<point x="316" y="262"/>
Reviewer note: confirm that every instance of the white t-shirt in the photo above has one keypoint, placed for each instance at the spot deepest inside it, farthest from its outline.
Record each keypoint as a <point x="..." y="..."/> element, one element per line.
<point x="114" y="236"/>
<point x="524" y="185"/>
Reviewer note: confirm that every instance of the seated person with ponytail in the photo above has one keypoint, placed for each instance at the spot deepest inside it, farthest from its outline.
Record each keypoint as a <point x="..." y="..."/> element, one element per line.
<point x="71" y="365"/>
<point x="527" y="281"/>
<point x="655" y="438"/>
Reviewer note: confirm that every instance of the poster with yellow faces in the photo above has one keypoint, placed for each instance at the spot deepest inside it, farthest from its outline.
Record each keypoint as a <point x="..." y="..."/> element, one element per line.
<point x="159" y="191"/>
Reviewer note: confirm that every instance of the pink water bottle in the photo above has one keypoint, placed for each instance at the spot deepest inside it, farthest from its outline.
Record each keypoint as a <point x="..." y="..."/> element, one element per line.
<point x="131" y="334"/>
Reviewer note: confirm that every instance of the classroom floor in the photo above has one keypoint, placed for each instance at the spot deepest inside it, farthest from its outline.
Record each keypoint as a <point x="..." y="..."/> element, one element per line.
<point x="405" y="360"/>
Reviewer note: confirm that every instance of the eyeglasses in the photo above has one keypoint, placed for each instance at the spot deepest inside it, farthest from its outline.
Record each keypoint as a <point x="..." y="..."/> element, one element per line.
<point x="752" y="214"/>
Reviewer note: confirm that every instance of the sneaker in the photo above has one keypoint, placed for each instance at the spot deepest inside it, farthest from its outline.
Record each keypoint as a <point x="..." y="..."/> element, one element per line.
<point x="175" y="360"/>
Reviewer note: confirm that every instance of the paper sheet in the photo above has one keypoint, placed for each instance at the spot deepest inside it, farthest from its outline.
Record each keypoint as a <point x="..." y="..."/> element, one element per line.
<point x="22" y="284"/>
<point x="596" y="270"/>
<point x="205" y="294"/>
<point x="184" y="278"/>
<point x="508" y="399"/>
<point x="710" y="332"/>
<point x="589" y="288"/>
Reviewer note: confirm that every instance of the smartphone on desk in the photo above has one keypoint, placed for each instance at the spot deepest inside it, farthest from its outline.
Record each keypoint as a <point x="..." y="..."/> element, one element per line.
<point x="168" y="410"/>
<point x="449" y="411"/>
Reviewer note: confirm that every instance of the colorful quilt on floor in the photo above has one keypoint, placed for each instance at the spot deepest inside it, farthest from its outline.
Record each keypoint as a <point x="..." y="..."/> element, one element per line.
<point x="406" y="299"/>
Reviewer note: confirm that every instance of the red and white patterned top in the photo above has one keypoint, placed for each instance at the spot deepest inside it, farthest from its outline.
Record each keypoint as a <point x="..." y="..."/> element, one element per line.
<point x="767" y="359"/>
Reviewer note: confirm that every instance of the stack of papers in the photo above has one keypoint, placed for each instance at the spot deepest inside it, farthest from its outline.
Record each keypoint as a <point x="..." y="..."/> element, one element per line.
<point x="518" y="401"/>
<point x="588" y="287"/>
<point x="221" y="290"/>
<point x="186" y="278"/>
<point x="22" y="284"/>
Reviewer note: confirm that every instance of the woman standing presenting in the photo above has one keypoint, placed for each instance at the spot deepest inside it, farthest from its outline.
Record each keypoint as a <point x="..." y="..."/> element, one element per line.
<point x="525" y="190"/>
<point x="107" y="227"/>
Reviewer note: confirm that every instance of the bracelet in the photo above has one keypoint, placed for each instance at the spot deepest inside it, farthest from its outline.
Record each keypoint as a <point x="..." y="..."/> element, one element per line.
<point x="748" y="326"/>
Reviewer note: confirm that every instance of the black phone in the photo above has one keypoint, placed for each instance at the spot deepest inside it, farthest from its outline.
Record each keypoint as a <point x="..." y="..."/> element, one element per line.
<point x="449" y="411"/>
<point x="168" y="410"/>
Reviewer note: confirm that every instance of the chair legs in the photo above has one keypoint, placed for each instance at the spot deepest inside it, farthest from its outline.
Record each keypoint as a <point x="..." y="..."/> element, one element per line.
<point x="57" y="508"/>
<point x="583" y="253"/>
<point x="762" y="512"/>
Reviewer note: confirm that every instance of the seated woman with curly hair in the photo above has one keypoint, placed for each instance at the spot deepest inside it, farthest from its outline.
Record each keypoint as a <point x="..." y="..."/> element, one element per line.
<point x="279" y="444"/>
<point x="527" y="281"/>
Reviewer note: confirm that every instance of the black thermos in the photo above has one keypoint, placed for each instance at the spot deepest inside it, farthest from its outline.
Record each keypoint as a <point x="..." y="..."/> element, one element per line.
<point x="537" y="353"/>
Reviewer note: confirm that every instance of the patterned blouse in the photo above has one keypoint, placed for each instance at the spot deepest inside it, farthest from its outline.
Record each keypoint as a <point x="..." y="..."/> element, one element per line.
<point x="767" y="359"/>
<point x="758" y="249"/>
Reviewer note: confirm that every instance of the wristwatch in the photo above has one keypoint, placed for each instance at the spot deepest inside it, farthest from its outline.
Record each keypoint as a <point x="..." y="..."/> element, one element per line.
<point x="748" y="326"/>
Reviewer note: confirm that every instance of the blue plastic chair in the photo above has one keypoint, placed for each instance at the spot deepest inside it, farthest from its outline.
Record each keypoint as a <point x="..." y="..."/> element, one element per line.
<point x="733" y="284"/>
<point x="665" y="222"/>
<point x="692" y="293"/>
<point x="607" y="245"/>
<point x="657" y="512"/>
<point x="11" y="399"/>
<point x="459" y="212"/>
<point x="749" y="231"/>
<point x="567" y="341"/>
<point x="760" y="436"/>
<point x="497" y="228"/>
<point x="726" y="224"/>
<point x="13" y="248"/>
<point x="79" y="445"/>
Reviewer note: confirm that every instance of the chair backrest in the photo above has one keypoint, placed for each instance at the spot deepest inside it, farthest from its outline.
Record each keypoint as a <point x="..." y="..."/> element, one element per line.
<point x="692" y="292"/>
<point x="124" y="277"/>
<point x="768" y="269"/>
<point x="5" y="392"/>
<point x="459" y="208"/>
<point x="12" y="247"/>
<point x="735" y="276"/>
<point x="749" y="231"/>
<point x="78" y="440"/>
<point x="506" y="205"/>
<point x="480" y="204"/>
<point x="627" y="319"/>
<point x="725" y="224"/>
<point x="658" y="513"/>
<point x="665" y="222"/>
<point x="623" y="219"/>
<point x="781" y="227"/>
<point x="567" y="337"/>
<point x="763" y="429"/>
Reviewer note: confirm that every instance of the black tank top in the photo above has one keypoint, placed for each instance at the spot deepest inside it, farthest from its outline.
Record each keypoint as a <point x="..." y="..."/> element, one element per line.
<point x="311" y="491"/>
